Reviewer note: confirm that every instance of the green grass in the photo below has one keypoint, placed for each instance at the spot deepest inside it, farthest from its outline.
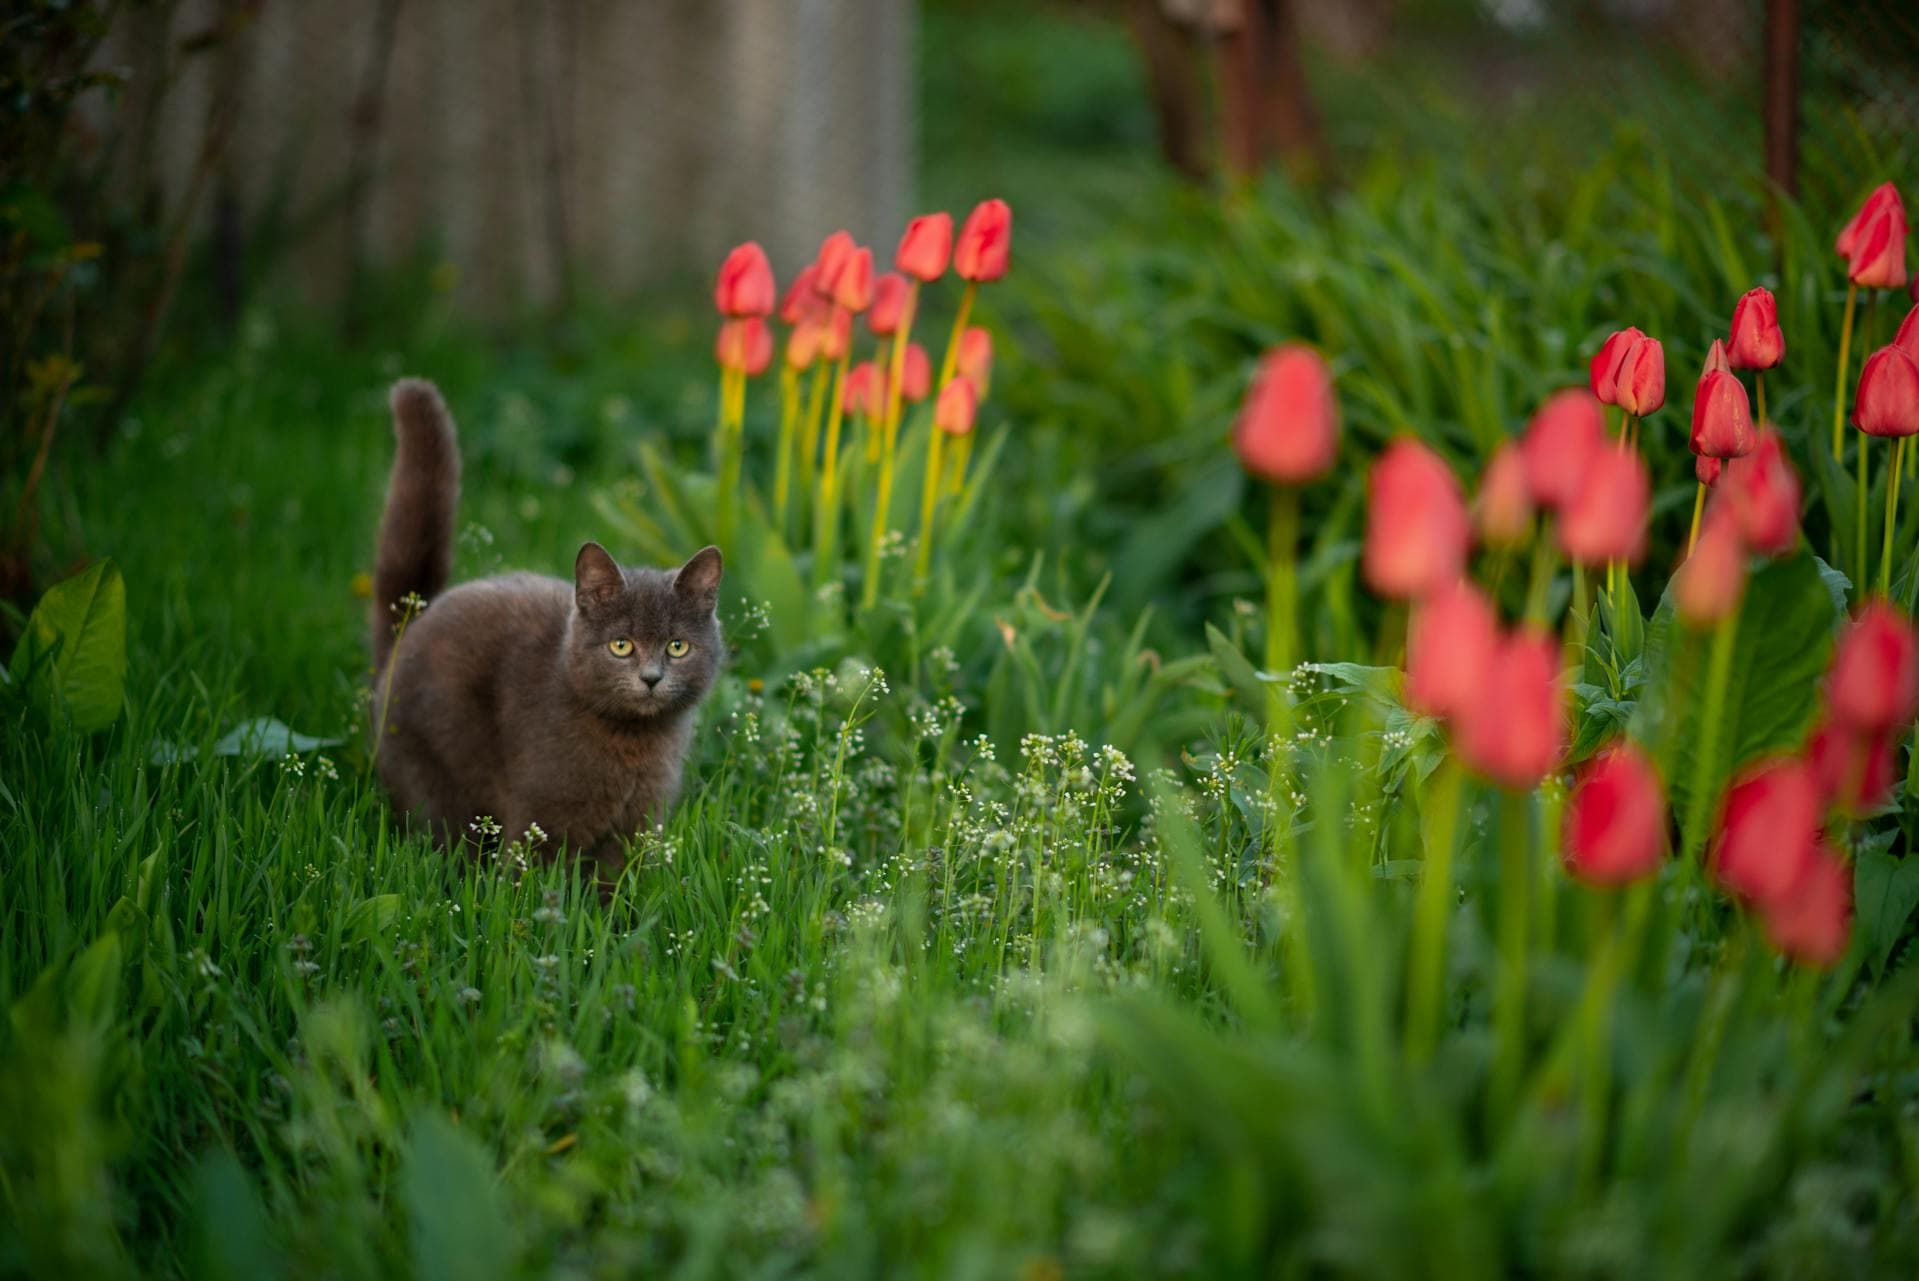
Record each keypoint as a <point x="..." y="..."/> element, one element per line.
<point x="1031" y="956"/>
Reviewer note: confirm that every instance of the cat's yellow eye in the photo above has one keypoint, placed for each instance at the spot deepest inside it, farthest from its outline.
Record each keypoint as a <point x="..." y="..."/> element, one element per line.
<point x="677" y="648"/>
<point x="621" y="647"/>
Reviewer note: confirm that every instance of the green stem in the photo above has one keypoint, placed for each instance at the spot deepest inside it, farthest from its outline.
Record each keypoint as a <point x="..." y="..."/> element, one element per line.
<point x="1432" y="908"/>
<point x="1542" y="578"/>
<point x="889" y="439"/>
<point x="1509" y="989"/>
<point x="1759" y="389"/>
<point x="810" y="438"/>
<point x="1859" y="518"/>
<point x="1718" y="674"/>
<point x="1892" y="513"/>
<point x="1618" y="959"/>
<point x="1282" y="605"/>
<point x="783" y="466"/>
<point x="826" y="520"/>
<point x="929" y="498"/>
<point x="732" y="415"/>
<point x="1698" y="507"/>
<point x="1839" y="393"/>
<point x="950" y="360"/>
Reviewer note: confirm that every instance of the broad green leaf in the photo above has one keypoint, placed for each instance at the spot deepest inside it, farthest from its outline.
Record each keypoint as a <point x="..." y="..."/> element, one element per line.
<point x="1884" y="891"/>
<point x="369" y="917"/>
<point x="75" y="646"/>
<point x="461" y="1228"/>
<point x="260" y="736"/>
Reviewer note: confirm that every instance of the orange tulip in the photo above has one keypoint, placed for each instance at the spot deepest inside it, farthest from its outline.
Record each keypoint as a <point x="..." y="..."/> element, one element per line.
<point x="1616" y="819"/>
<point x="916" y="377"/>
<point x="1503" y="512"/>
<point x="1417" y="533"/>
<point x="834" y="251"/>
<point x="1757" y="341"/>
<point x="926" y="246"/>
<point x="744" y="345"/>
<point x="889" y="305"/>
<point x="1288" y="430"/>
<point x="865" y="389"/>
<point x="985" y="242"/>
<point x="745" y="284"/>
<point x="803" y="302"/>
<point x="852" y="285"/>
<point x="974" y="360"/>
<point x="954" y="411"/>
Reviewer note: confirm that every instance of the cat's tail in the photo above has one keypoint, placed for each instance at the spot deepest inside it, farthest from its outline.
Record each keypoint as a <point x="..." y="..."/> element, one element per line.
<point x="415" y="550"/>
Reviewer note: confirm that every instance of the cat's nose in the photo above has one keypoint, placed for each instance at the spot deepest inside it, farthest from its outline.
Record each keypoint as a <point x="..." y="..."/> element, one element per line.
<point x="652" y="675"/>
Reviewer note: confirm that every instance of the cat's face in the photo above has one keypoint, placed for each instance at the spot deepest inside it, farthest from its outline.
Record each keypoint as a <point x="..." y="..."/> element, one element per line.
<point x="644" y="642"/>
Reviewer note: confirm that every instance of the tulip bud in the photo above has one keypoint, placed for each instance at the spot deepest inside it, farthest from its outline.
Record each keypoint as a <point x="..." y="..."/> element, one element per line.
<point x="1607" y="520"/>
<point x="1884" y="196"/>
<point x="1630" y="371"/>
<point x="1616" y="819"/>
<point x="1417" y="533"/>
<point x="1813" y="922"/>
<point x="1854" y="770"/>
<point x="864" y="386"/>
<point x="836" y="334"/>
<point x="834" y="251"/>
<point x="926" y="246"/>
<point x="802" y="302"/>
<point x="1707" y="470"/>
<point x="1757" y="340"/>
<point x="1722" y="417"/>
<point x="1568" y="429"/>
<point x="1766" y="828"/>
<point x="1514" y="732"/>
<point x="1907" y="339"/>
<point x="953" y="412"/>
<point x="744" y="346"/>
<point x="1887" y="403"/>
<point x="1707" y="587"/>
<point x="974" y="360"/>
<point x="985" y="241"/>
<point x="803" y="344"/>
<point x="1450" y="643"/>
<point x="853" y="285"/>
<point x="1878" y="259"/>
<point x="916" y="375"/>
<point x="889" y="304"/>
<point x="745" y="284"/>
<point x="1288" y="429"/>
<point x="1716" y="359"/>
<point x="1763" y="490"/>
<point x="1874" y="685"/>
<point x="1504" y="510"/>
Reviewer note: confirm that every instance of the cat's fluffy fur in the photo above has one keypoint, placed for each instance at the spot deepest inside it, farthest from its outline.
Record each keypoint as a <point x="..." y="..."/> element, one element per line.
<point x="504" y="698"/>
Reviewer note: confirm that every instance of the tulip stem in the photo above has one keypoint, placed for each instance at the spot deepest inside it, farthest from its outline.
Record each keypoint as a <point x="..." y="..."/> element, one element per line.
<point x="1509" y="991"/>
<point x="1282" y="604"/>
<point x="1698" y="506"/>
<point x="783" y="465"/>
<point x="929" y="501"/>
<point x="1839" y="394"/>
<point x="1759" y="390"/>
<point x="1617" y="959"/>
<point x="950" y="360"/>
<point x="1859" y="518"/>
<point x="889" y="439"/>
<point x="826" y="521"/>
<point x="1892" y="513"/>
<point x="1540" y="584"/>
<point x="1426" y="968"/>
<point x="810" y="438"/>
<point x="732" y="411"/>
<point x="1718" y="674"/>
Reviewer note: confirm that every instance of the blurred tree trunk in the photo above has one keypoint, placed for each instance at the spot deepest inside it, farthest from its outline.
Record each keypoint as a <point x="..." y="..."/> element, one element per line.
<point x="363" y="131"/>
<point x="1782" y="102"/>
<point x="1172" y="77"/>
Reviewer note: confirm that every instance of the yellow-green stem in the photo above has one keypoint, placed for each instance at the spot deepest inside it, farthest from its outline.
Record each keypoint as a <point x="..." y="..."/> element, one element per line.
<point x="950" y="360"/>
<point x="783" y="465"/>
<point x="1839" y="392"/>
<point x="1718" y="674"/>
<point x="889" y="442"/>
<point x="826" y="518"/>
<point x="732" y="403"/>
<point x="1541" y="581"/>
<point x="1282" y="606"/>
<point x="1426" y="960"/>
<point x="1759" y="391"/>
<point x="1698" y="506"/>
<point x="1619" y="957"/>
<point x="810" y="437"/>
<point x="956" y="470"/>
<point x="929" y="498"/>
<point x="1509" y="987"/>
<point x="1892" y="513"/>
<point x="1859" y="517"/>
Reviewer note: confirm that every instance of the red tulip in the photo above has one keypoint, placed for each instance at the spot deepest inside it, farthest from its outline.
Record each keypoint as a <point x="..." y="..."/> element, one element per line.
<point x="865" y="386"/>
<point x="1568" y="429"/>
<point x="1616" y="819"/>
<point x="1450" y="644"/>
<point x="1907" y="339"/>
<point x="1630" y="371"/>
<point x="1417" y="533"/>
<point x="803" y="302"/>
<point x="1288" y="429"/>
<point x="745" y="284"/>
<point x="889" y="304"/>
<point x="1504" y="510"/>
<point x="1887" y="403"/>
<point x="1721" y="417"/>
<point x="1763" y="490"/>
<point x="1884" y="196"/>
<point x="836" y="334"/>
<point x="1707" y="470"/>
<point x="916" y="375"/>
<point x="1707" y="587"/>
<point x="1514" y="732"/>
<point x="1874" y="683"/>
<point x="1607" y="520"/>
<point x="1757" y="340"/>
<point x="1854" y="770"/>
<point x="1767" y="824"/>
<point x="985" y="241"/>
<point x="1813" y="922"/>
<point x="744" y="345"/>
<point x="803" y="343"/>
<point x="852" y="285"/>
<point x="1878" y="258"/>
<point x="926" y="246"/>
<point x="1716" y="358"/>
<point x="974" y="360"/>
<point x="954" y="411"/>
<point x="834" y="251"/>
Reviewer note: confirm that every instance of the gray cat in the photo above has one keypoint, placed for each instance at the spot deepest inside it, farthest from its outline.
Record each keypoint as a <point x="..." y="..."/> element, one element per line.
<point x="541" y="704"/>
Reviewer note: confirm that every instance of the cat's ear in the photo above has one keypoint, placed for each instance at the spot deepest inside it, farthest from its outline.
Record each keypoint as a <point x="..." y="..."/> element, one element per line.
<point x="596" y="578"/>
<point x="699" y="579"/>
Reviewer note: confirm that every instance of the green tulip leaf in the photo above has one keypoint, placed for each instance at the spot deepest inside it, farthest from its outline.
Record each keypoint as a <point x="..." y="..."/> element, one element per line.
<point x="1885" y="892"/>
<point x="74" y="650"/>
